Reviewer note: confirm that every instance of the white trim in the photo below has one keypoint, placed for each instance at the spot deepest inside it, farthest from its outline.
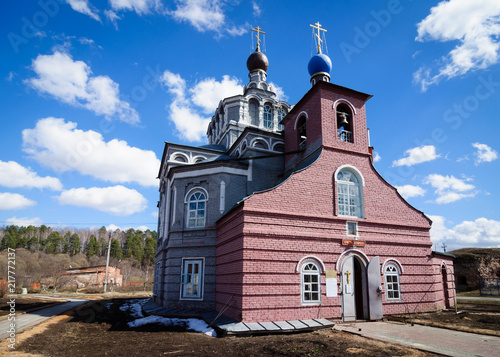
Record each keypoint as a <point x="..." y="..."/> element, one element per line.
<point x="352" y="168"/>
<point x="211" y="171"/>
<point x="222" y="197"/>
<point x="322" y="265"/>
<point x="302" y="290"/>
<point x="445" y="265"/>
<point x="398" y="274"/>
<point x="393" y="260"/>
<point x="297" y="118"/>
<point x="278" y="143"/>
<point x="354" y="251"/>
<point x="174" y="204"/>
<point x="178" y="154"/>
<point x="202" y="279"/>
<point x="264" y="141"/>
<point x="345" y="101"/>
<point x="197" y="188"/>
<point x="198" y="157"/>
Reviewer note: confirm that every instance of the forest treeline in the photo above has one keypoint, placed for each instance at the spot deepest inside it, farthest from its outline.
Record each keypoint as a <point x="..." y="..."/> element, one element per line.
<point x="91" y="242"/>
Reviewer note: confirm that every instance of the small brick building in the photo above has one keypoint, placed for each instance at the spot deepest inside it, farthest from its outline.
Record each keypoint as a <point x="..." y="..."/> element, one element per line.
<point x="283" y="215"/>
<point x="92" y="276"/>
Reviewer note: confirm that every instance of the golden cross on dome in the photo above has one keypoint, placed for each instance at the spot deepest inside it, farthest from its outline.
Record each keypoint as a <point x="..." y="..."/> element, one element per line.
<point x="317" y="26"/>
<point x="258" y="30"/>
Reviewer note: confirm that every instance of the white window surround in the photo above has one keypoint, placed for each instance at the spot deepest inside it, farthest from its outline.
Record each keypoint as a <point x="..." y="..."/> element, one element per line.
<point x="310" y="276"/>
<point x="393" y="261"/>
<point x="392" y="282"/>
<point x="311" y="257"/>
<point x="196" y="207"/>
<point x="350" y="168"/>
<point x="302" y="113"/>
<point x="268" y="117"/>
<point x="345" y="101"/>
<point x="349" y="194"/>
<point x="192" y="278"/>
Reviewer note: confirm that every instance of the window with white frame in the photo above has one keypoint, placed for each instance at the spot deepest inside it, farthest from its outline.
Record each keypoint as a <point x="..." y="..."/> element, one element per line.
<point x="392" y="286"/>
<point x="349" y="194"/>
<point x="268" y="116"/>
<point x="311" y="283"/>
<point x="192" y="279"/>
<point x="196" y="210"/>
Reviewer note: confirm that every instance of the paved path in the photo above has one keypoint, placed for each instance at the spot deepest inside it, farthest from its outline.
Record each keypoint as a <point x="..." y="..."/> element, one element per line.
<point x="23" y="321"/>
<point x="432" y="339"/>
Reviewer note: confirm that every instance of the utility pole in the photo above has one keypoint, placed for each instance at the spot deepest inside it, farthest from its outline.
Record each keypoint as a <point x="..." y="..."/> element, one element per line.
<point x="107" y="264"/>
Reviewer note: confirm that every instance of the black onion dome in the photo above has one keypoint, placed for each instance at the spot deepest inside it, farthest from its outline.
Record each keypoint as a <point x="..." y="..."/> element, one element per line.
<point x="257" y="60"/>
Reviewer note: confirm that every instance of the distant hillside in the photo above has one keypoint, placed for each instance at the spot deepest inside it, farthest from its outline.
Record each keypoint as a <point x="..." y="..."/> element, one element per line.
<point x="476" y="252"/>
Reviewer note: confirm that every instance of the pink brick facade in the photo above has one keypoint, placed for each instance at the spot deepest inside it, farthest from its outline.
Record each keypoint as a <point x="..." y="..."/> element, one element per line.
<point x="262" y="244"/>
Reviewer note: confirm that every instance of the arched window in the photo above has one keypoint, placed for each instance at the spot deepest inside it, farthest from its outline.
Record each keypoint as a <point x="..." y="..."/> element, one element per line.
<point x="344" y="123"/>
<point x="253" y="109"/>
<point x="281" y="115"/>
<point x="311" y="283"/>
<point x="196" y="211"/>
<point x="302" y="133"/>
<point x="268" y="116"/>
<point x="349" y="194"/>
<point x="392" y="286"/>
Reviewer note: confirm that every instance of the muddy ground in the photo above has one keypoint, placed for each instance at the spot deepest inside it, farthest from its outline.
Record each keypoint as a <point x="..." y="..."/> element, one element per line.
<point x="100" y="329"/>
<point x="469" y="317"/>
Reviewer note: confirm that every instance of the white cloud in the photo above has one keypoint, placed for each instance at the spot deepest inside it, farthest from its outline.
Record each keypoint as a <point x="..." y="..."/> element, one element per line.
<point x="376" y="157"/>
<point x="256" y="9"/>
<point x="71" y="82"/>
<point x="114" y="227"/>
<point x="117" y="200"/>
<point x="187" y="113"/>
<point x="484" y="153"/>
<point x="207" y="93"/>
<point x="10" y="201"/>
<point x="84" y="7"/>
<point x="474" y="24"/>
<point x="141" y="7"/>
<point x="62" y="147"/>
<point x="202" y="14"/>
<point x="280" y="93"/>
<point x="481" y="233"/>
<point x="408" y="191"/>
<point x="23" y="221"/>
<point x="13" y="175"/>
<point x="449" y="188"/>
<point x="417" y="155"/>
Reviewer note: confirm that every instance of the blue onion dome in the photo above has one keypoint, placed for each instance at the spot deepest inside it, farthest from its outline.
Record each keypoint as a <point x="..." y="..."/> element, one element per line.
<point x="257" y="60"/>
<point x="319" y="63"/>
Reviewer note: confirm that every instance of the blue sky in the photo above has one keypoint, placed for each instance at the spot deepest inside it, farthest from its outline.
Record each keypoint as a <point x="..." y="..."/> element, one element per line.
<point x="92" y="89"/>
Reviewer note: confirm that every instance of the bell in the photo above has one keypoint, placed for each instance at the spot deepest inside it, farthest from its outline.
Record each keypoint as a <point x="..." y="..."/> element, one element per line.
<point x="343" y="116"/>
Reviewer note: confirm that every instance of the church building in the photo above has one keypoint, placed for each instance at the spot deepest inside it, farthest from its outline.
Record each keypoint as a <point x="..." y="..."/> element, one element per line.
<point x="283" y="216"/>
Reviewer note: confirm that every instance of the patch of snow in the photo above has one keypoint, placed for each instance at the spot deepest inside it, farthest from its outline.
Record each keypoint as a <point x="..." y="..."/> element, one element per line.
<point x="196" y="325"/>
<point x="134" y="306"/>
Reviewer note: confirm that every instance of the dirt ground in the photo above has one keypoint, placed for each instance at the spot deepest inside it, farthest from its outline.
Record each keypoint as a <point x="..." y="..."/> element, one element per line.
<point x="100" y="328"/>
<point x="476" y="318"/>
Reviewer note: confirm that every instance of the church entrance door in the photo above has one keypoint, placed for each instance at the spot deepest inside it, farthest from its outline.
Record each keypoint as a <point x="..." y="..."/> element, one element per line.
<point x="354" y="289"/>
